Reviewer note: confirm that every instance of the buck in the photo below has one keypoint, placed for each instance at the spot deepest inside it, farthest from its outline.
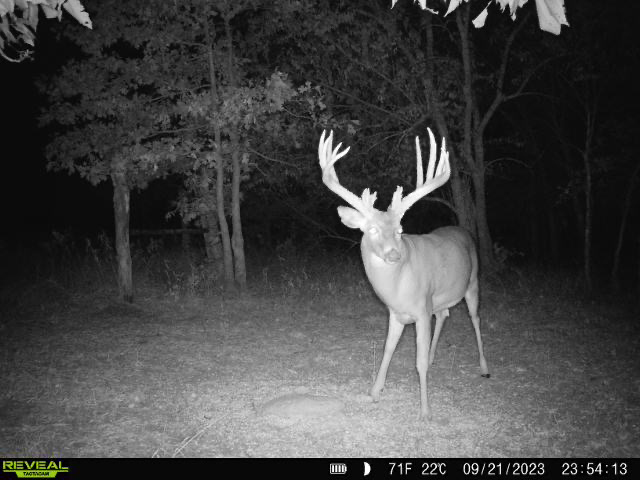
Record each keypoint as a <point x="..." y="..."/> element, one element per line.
<point x="415" y="276"/>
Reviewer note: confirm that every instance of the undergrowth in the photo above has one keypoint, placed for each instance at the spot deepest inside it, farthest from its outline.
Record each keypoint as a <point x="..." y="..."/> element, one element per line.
<point x="65" y="266"/>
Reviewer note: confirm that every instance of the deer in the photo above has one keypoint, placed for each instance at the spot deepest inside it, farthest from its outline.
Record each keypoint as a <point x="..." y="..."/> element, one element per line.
<point x="415" y="276"/>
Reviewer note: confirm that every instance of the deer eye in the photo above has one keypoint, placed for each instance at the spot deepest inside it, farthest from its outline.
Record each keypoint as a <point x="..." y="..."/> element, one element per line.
<point x="399" y="231"/>
<point x="373" y="230"/>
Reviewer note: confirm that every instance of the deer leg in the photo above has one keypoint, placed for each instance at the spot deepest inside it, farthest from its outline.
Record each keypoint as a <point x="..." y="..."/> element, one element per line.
<point x="440" y="316"/>
<point x="395" y="330"/>
<point x="471" y="297"/>
<point x="423" y="337"/>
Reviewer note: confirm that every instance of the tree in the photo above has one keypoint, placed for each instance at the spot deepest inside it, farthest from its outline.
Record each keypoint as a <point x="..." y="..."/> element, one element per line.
<point x="108" y="111"/>
<point x="238" y="105"/>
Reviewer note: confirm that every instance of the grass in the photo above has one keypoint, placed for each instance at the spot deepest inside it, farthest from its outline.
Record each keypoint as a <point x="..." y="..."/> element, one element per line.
<point x="186" y="369"/>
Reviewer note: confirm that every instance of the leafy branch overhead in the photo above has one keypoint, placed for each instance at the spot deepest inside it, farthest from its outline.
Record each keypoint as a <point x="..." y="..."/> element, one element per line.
<point x="19" y="21"/>
<point x="551" y="13"/>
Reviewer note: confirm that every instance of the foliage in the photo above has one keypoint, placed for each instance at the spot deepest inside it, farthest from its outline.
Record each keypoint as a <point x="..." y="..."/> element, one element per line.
<point x="113" y="98"/>
<point x="139" y="86"/>
<point x="551" y="14"/>
<point x="19" y="20"/>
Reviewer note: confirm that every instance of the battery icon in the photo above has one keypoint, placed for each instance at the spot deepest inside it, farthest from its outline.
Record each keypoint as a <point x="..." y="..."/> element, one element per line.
<point x="337" y="468"/>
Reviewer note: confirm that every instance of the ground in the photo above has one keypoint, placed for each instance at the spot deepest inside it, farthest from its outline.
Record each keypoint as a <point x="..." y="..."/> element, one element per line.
<point x="285" y="370"/>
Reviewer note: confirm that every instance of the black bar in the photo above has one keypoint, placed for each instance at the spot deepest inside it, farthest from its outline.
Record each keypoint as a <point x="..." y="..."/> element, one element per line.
<point x="335" y="469"/>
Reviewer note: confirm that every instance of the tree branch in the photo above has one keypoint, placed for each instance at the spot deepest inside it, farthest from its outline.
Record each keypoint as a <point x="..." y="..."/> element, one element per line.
<point x="274" y="160"/>
<point x="365" y="103"/>
<point x="499" y="96"/>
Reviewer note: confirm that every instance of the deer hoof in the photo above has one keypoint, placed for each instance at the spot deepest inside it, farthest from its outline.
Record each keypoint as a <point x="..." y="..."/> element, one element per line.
<point x="486" y="375"/>
<point x="426" y="416"/>
<point x="375" y="396"/>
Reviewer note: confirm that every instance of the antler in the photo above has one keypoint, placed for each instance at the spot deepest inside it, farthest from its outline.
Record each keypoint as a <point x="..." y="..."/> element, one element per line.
<point x="328" y="157"/>
<point x="424" y="185"/>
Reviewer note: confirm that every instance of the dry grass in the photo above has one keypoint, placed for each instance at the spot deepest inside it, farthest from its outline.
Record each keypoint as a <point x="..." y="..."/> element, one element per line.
<point x="184" y="371"/>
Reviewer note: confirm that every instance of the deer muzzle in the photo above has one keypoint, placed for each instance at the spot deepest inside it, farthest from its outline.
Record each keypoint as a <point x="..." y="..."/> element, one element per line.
<point x="392" y="256"/>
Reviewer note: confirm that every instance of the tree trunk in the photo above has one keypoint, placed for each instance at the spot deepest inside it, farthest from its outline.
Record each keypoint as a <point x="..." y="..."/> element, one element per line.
<point x="209" y="220"/>
<point x="237" y="240"/>
<point x="485" y="244"/>
<point x="588" y="198"/>
<point x="587" y="224"/>
<point x="460" y="188"/>
<point x="224" y="227"/>
<point x="615" y="270"/>
<point x="121" y="216"/>
<point x="473" y="143"/>
<point x="462" y="198"/>
<point x="219" y="159"/>
<point x="212" y="242"/>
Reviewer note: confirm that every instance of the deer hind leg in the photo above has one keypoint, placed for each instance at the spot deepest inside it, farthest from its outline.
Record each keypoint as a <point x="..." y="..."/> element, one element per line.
<point x="395" y="330"/>
<point x="440" y="317"/>
<point x="471" y="297"/>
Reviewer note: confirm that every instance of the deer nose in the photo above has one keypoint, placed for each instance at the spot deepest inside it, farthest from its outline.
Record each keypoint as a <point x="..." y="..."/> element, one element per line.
<point x="392" y="256"/>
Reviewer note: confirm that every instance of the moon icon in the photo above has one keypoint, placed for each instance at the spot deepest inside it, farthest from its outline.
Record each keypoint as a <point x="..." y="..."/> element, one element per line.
<point x="367" y="469"/>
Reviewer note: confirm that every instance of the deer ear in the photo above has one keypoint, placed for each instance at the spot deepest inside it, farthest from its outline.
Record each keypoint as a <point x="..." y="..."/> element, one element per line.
<point x="351" y="217"/>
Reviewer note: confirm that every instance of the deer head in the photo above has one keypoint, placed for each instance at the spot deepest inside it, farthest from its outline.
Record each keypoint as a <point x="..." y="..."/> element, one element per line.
<point x="382" y="230"/>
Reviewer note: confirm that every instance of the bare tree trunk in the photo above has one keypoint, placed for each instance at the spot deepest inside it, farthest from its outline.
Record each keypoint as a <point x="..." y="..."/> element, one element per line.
<point x="121" y="216"/>
<point x="219" y="159"/>
<point x="473" y="144"/>
<point x="587" y="225"/>
<point x="212" y="242"/>
<point x="237" y="240"/>
<point x="588" y="197"/>
<point x="209" y="222"/>
<point x="615" y="270"/>
<point x="459" y="187"/>
<point x="209" y="219"/>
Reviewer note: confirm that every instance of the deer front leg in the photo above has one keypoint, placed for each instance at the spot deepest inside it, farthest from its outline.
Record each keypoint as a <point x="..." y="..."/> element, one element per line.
<point x="423" y="338"/>
<point x="395" y="330"/>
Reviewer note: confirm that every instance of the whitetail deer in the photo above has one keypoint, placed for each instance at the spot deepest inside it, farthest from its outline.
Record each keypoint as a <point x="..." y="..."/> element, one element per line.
<point x="416" y="276"/>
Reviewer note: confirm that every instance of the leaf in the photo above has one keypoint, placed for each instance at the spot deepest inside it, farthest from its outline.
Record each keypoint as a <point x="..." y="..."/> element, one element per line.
<point x="75" y="8"/>
<point x="32" y="15"/>
<point x="50" y="11"/>
<point x="551" y="15"/>
<point x="27" y="35"/>
<point x="5" y="28"/>
<point x="453" y="5"/>
<point x="6" y="6"/>
<point x="478" y="22"/>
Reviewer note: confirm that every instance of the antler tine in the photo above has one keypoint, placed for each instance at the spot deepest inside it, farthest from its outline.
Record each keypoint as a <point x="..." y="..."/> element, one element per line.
<point x="419" y="177"/>
<point x="435" y="177"/>
<point x="328" y="157"/>
<point x="433" y="152"/>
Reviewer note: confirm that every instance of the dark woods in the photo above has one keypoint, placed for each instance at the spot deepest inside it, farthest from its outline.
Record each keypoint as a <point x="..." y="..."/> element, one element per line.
<point x="206" y="115"/>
